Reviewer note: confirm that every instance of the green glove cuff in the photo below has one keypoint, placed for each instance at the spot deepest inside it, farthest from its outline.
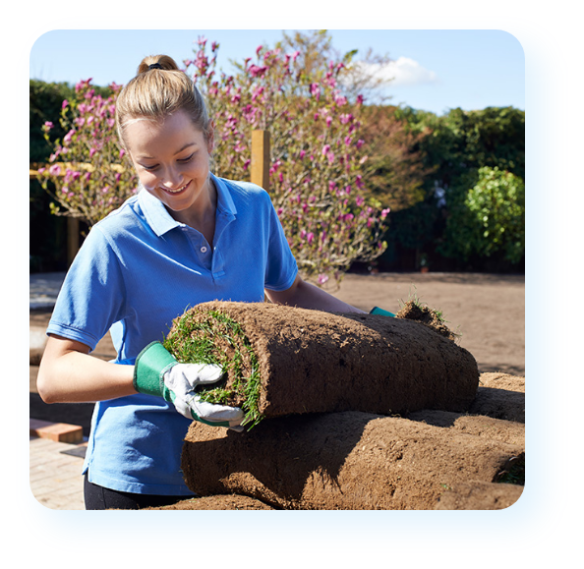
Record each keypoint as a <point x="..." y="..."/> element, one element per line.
<point x="381" y="312"/>
<point x="151" y="364"/>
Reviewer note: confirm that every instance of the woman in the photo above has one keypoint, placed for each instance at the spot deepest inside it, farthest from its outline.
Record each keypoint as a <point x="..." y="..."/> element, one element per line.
<point x="187" y="237"/>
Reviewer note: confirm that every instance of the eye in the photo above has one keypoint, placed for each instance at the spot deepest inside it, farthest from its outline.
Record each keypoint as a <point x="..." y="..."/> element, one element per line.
<point x="187" y="159"/>
<point x="149" y="168"/>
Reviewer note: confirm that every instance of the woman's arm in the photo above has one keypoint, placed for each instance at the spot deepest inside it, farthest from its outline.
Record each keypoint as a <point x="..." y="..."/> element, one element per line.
<point x="68" y="374"/>
<point x="306" y="295"/>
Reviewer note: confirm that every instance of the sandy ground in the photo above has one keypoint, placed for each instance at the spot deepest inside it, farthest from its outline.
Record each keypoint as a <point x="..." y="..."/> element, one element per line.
<point x="487" y="310"/>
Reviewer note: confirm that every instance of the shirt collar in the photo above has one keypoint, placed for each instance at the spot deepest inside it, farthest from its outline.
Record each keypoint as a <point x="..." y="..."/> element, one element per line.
<point x="161" y="221"/>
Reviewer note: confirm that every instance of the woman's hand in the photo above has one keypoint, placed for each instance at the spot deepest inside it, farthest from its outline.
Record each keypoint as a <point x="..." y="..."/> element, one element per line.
<point x="158" y="373"/>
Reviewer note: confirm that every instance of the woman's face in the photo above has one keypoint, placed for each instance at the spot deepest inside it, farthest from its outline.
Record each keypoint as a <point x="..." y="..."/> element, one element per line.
<point x="172" y="160"/>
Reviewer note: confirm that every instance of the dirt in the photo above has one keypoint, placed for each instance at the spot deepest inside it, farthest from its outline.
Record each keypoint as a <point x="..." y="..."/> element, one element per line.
<point x="451" y="460"/>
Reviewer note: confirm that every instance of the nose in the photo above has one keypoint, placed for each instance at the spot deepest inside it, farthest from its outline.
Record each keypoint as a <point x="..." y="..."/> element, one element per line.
<point x="173" y="178"/>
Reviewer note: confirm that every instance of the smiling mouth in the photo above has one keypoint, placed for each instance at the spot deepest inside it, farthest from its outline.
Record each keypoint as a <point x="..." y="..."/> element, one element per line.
<point x="179" y="190"/>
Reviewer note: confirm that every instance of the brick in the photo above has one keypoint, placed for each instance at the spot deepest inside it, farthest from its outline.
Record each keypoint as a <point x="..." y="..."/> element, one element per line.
<point x="58" y="432"/>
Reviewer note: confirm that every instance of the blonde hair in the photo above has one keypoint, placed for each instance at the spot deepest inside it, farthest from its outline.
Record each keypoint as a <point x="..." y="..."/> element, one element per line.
<point x="158" y="92"/>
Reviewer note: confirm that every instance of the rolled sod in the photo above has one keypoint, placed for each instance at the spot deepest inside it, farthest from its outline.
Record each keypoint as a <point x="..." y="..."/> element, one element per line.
<point x="347" y="461"/>
<point x="283" y="361"/>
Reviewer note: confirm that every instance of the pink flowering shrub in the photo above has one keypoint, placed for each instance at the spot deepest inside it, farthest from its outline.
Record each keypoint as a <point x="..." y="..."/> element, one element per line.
<point x="317" y="154"/>
<point x="88" y="175"/>
<point x="316" y="162"/>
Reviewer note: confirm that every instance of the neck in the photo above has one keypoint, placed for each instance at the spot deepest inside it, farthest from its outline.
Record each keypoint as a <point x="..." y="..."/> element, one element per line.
<point x="201" y="216"/>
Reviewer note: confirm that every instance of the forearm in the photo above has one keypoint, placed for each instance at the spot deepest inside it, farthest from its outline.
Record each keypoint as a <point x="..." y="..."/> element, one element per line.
<point x="68" y="375"/>
<point x="307" y="295"/>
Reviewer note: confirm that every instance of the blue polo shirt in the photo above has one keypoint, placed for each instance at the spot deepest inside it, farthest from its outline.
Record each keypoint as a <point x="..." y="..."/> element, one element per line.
<point x="137" y="270"/>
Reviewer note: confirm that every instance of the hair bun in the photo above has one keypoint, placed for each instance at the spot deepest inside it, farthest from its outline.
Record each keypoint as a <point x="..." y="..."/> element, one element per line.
<point x="157" y="62"/>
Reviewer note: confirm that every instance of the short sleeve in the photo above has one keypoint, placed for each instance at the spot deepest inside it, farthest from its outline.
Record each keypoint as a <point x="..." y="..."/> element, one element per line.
<point x="281" y="266"/>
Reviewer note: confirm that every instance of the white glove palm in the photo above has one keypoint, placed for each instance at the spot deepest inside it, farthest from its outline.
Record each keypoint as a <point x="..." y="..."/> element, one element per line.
<point x="182" y="379"/>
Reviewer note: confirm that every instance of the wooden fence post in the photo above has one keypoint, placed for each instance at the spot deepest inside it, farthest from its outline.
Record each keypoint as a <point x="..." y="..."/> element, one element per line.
<point x="72" y="223"/>
<point x="260" y="158"/>
<point x="72" y="239"/>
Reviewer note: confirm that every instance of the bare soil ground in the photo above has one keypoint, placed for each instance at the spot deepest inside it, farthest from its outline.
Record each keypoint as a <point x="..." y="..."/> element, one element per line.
<point x="489" y="313"/>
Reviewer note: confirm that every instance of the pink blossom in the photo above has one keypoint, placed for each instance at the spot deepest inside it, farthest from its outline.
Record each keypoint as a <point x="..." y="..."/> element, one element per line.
<point x="315" y="90"/>
<point x="257" y="92"/>
<point x="384" y="212"/>
<point x="55" y="170"/>
<point x="348" y="141"/>
<point x="302" y="153"/>
<point x="359" y="200"/>
<point x="68" y="136"/>
<point x="329" y="120"/>
<point x="64" y="104"/>
<point x="325" y="149"/>
<point x="48" y="125"/>
<point x="310" y="237"/>
<point x="359" y="99"/>
<point x="295" y="55"/>
<point x="360" y="143"/>
<point x="322" y="279"/>
<point x="256" y="71"/>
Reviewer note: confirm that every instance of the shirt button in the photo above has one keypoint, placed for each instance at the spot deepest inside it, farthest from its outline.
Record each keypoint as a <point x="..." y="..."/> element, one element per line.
<point x="203" y="249"/>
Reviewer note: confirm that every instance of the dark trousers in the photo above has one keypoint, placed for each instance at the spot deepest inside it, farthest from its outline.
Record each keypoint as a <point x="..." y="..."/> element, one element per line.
<point x="100" y="498"/>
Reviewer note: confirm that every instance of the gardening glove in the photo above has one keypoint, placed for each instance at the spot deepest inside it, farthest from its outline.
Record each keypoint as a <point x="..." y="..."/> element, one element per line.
<point x="157" y="372"/>
<point x="381" y="312"/>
